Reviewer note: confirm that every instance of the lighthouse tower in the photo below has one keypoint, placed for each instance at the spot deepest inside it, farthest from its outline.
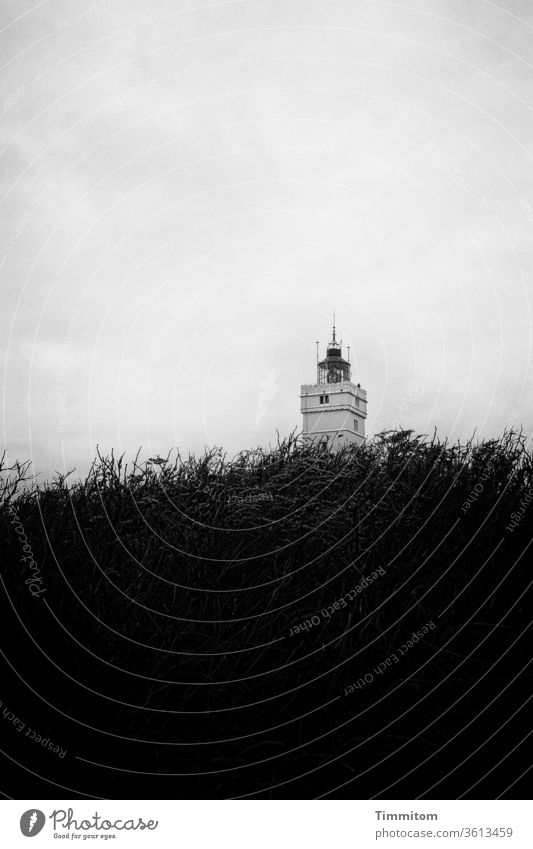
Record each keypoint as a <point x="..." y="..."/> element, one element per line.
<point x="334" y="408"/>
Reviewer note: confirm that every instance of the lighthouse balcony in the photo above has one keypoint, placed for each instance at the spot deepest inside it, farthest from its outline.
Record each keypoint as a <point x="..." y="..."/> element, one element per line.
<point x="343" y="386"/>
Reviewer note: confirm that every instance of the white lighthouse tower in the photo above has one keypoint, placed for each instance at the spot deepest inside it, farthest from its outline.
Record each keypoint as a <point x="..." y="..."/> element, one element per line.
<point x="334" y="408"/>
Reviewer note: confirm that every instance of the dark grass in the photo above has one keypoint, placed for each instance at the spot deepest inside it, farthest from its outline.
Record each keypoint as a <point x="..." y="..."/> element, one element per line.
<point x="161" y="651"/>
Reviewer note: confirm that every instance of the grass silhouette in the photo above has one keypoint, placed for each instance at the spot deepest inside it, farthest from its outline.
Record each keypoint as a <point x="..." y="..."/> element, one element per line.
<point x="161" y="650"/>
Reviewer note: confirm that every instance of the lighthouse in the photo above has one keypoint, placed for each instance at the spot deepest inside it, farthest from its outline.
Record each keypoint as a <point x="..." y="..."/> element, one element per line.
<point x="333" y="408"/>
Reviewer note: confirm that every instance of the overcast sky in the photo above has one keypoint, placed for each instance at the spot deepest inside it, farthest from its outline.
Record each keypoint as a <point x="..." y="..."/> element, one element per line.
<point x="189" y="189"/>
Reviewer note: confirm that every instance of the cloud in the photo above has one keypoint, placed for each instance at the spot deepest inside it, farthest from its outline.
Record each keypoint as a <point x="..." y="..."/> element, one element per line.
<point x="194" y="184"/>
